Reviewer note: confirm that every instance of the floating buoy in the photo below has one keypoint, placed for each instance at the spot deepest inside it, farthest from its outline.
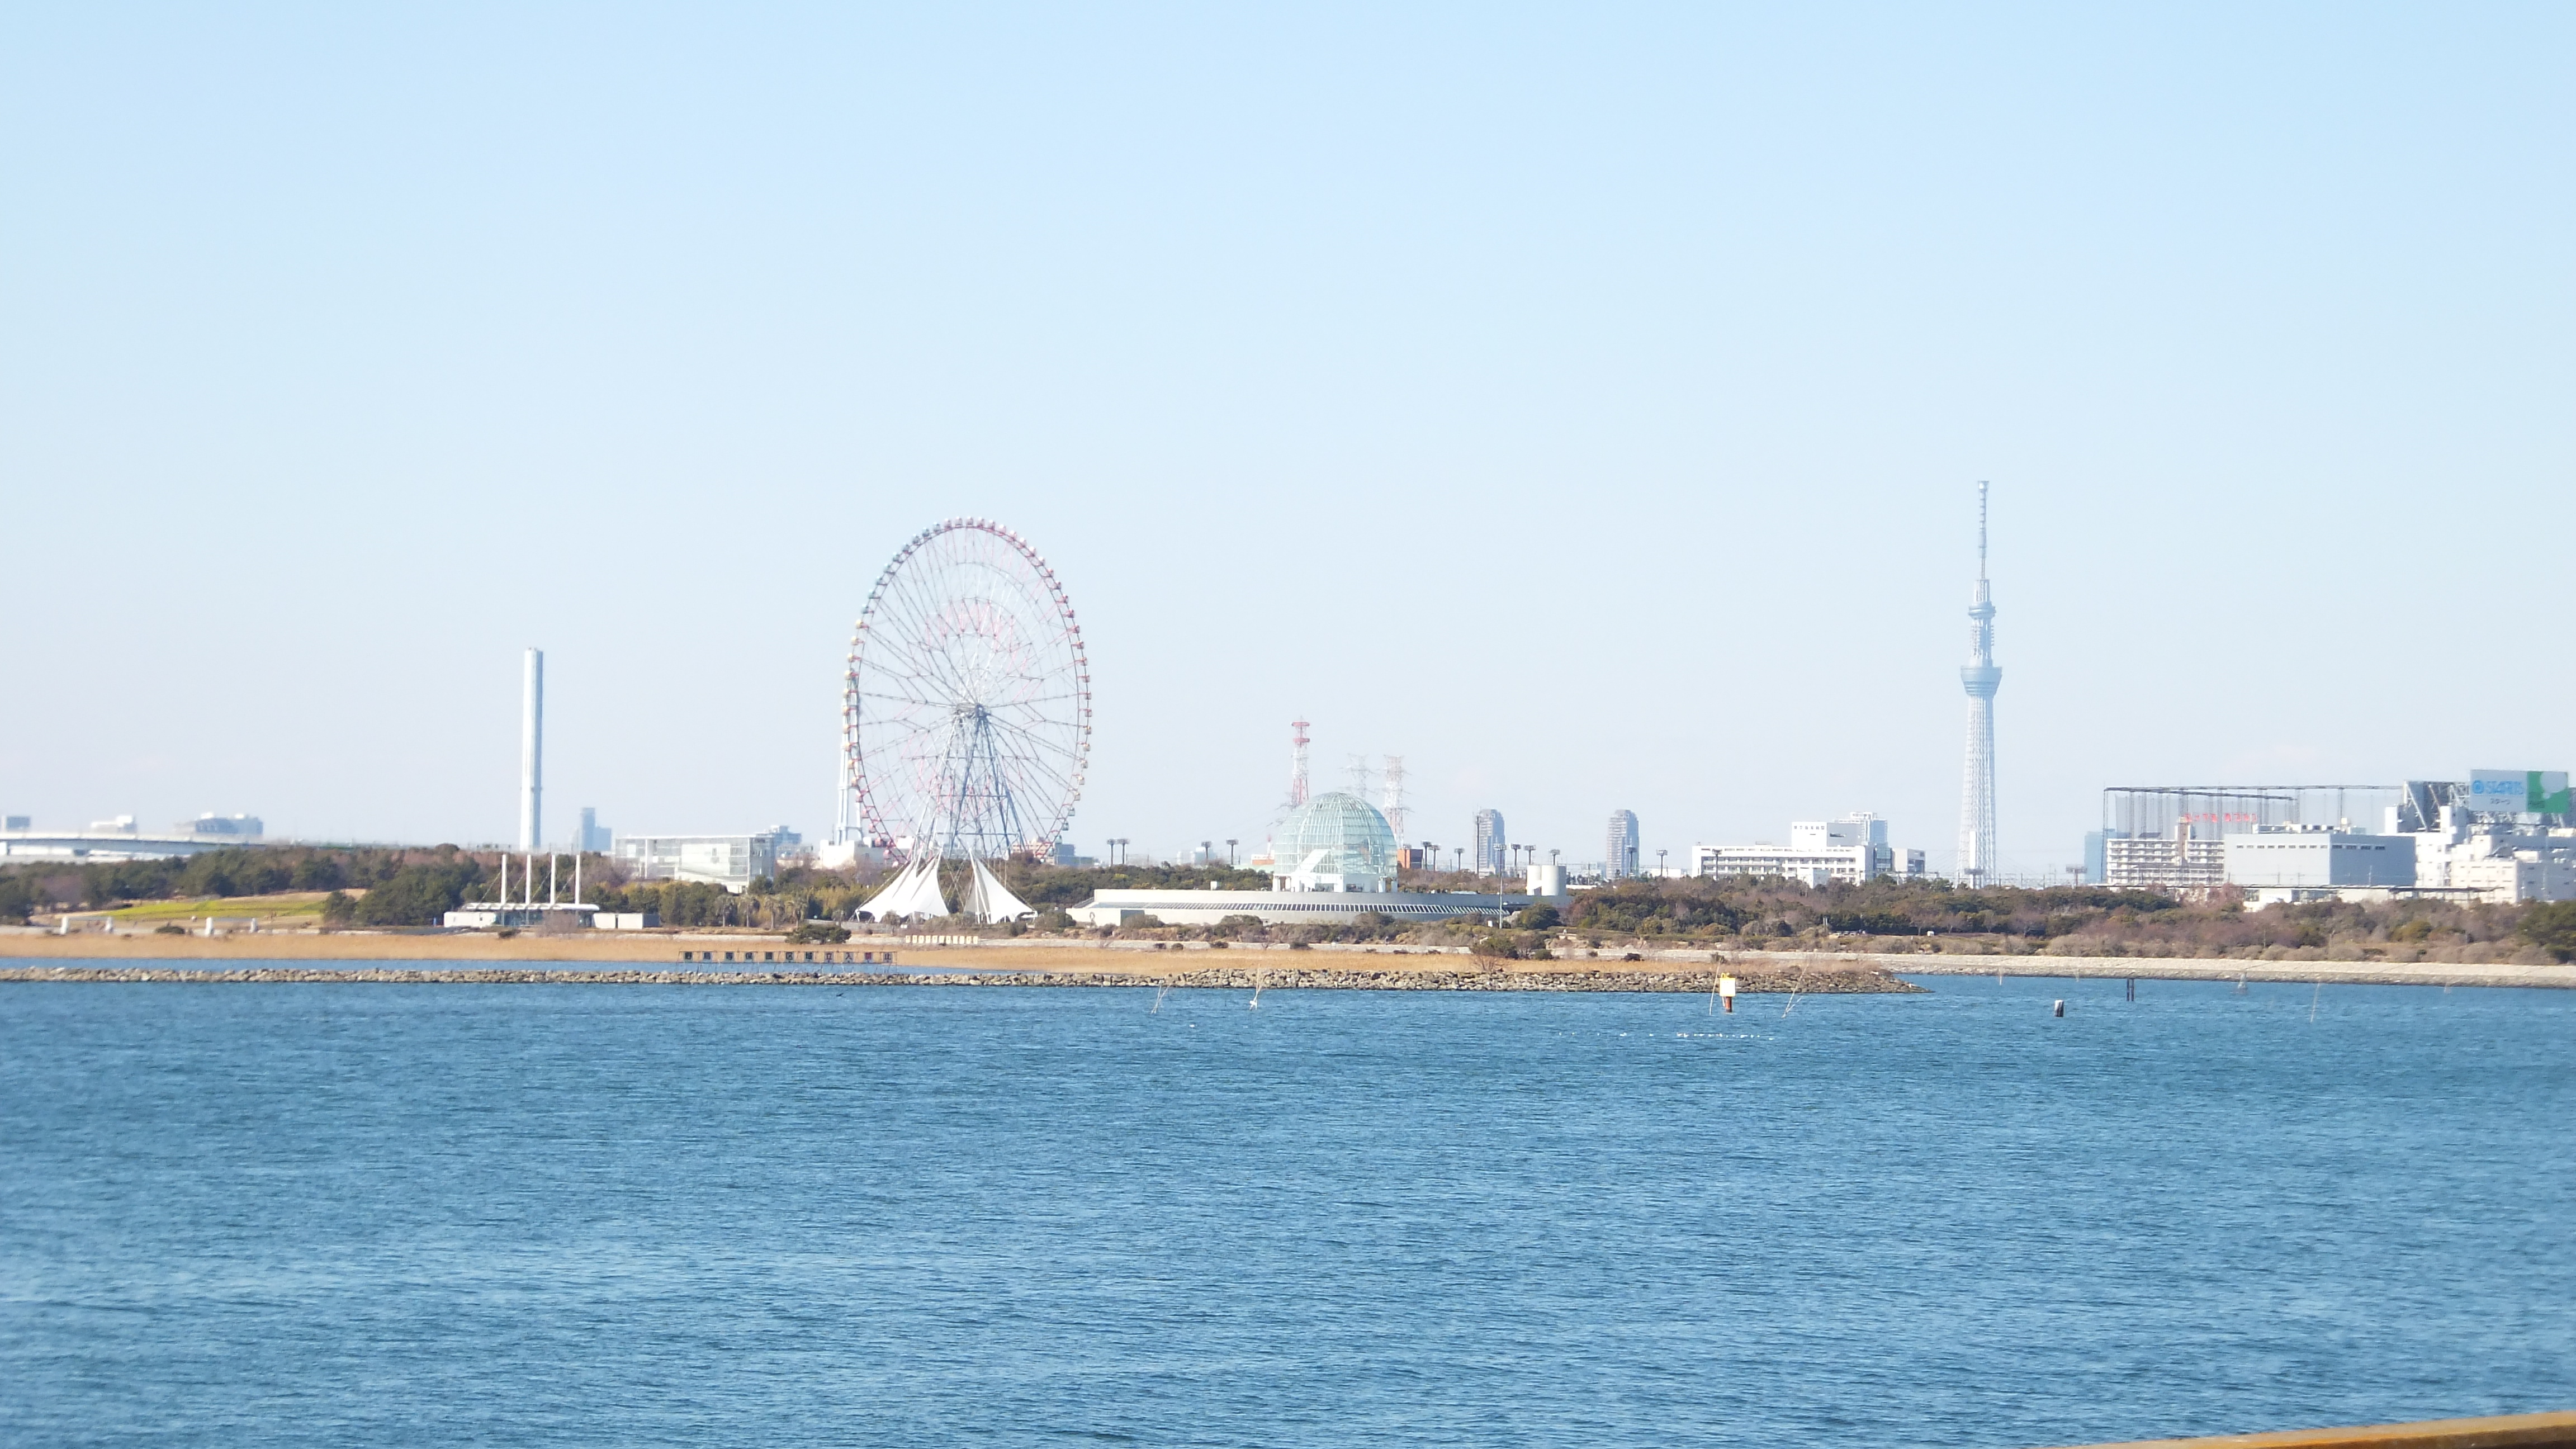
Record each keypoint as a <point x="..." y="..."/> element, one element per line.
<point x="2060" y="1008"/>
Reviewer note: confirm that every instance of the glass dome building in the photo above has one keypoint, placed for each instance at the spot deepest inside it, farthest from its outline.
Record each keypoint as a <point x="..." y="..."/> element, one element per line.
<point x="1334" y="842"/>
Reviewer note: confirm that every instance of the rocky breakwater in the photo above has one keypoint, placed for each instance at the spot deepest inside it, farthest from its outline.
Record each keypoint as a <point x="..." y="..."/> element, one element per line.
<point x="1844" y="980"/>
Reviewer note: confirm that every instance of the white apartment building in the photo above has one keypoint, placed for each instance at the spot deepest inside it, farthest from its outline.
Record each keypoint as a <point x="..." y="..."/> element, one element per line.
<point x="1851" y="849"/>
<point x="2181" y="861"/>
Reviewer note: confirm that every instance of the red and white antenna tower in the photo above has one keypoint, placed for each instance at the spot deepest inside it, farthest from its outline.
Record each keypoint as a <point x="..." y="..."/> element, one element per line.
<point x="1296" y="763"/>
<point x="1395" y="811"/>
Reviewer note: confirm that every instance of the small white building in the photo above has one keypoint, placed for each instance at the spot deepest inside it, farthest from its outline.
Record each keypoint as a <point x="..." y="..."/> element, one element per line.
<point x="540" y="915"/>
<point x="848" y="855"/>
<point x="1848" y="850"/>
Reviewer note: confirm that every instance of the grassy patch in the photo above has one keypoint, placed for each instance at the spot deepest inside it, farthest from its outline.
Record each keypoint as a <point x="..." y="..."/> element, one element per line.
<point x="282" y="906"/>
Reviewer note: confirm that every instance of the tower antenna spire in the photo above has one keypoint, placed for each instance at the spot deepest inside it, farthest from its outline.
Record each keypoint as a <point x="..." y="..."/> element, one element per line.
<point x="1981" y="529"/>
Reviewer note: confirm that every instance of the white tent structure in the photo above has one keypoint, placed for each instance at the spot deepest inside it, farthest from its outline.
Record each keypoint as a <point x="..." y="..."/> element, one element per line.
<point x="988" y="900"/>
<point x="915" y="892"/>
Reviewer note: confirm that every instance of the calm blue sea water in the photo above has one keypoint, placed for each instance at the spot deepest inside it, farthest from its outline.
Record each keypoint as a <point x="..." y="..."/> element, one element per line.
<point x="291" y="1215"/>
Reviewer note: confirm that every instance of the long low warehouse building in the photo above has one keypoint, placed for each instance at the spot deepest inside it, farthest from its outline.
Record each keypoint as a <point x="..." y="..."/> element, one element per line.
<point x="1290" y="908"/>
<point x="1336" y="857"/>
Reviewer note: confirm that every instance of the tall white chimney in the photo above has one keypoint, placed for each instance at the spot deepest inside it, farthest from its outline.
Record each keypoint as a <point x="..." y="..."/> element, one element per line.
<point x="532" y="750"/>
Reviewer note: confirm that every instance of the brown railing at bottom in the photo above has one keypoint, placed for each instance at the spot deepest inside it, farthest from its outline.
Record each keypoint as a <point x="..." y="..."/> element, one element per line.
<point x="2521" y="1431"/>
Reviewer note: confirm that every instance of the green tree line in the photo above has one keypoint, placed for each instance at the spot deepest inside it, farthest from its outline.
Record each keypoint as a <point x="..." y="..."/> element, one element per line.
<point x="407" y="887"/>
<point x="401" y="887"/>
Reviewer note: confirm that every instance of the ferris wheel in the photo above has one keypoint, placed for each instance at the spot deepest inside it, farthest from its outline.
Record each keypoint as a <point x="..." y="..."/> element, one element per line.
<point x="966" y="710"/>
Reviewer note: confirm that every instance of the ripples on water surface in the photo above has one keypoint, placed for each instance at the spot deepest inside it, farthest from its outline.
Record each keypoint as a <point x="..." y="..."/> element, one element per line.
<point x="610" y="1215"/>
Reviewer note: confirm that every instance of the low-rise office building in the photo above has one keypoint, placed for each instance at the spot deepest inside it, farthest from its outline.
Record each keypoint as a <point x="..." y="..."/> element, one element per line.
<point x="2287" y="863"/>
<point x="1848" y="850"/>
<point x="121" y="839"/>
<point x="731" y="861"/>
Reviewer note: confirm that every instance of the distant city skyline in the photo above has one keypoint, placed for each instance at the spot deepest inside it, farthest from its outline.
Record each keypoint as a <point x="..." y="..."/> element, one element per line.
<point x="1577" y="406"/>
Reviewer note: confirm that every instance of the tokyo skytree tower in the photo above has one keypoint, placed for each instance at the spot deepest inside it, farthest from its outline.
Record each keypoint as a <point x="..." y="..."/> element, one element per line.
<point x="1981" y="679"/>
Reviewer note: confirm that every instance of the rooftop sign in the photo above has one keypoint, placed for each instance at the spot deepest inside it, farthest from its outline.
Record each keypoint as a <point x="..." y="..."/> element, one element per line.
<point x="2519" y="792"/>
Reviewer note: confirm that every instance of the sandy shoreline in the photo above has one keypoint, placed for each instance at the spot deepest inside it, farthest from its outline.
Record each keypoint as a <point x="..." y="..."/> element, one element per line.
<point x="658" y="953"/>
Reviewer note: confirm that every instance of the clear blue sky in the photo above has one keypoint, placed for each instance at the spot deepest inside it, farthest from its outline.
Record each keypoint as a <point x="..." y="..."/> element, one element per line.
<point x="1585" y="403"/>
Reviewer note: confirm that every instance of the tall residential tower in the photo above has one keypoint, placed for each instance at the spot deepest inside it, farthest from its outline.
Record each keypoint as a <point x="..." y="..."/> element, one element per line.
<point x="1622" y="859"/>
<point x="1492" y="849"/>
<point x="1981" y="679"/>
